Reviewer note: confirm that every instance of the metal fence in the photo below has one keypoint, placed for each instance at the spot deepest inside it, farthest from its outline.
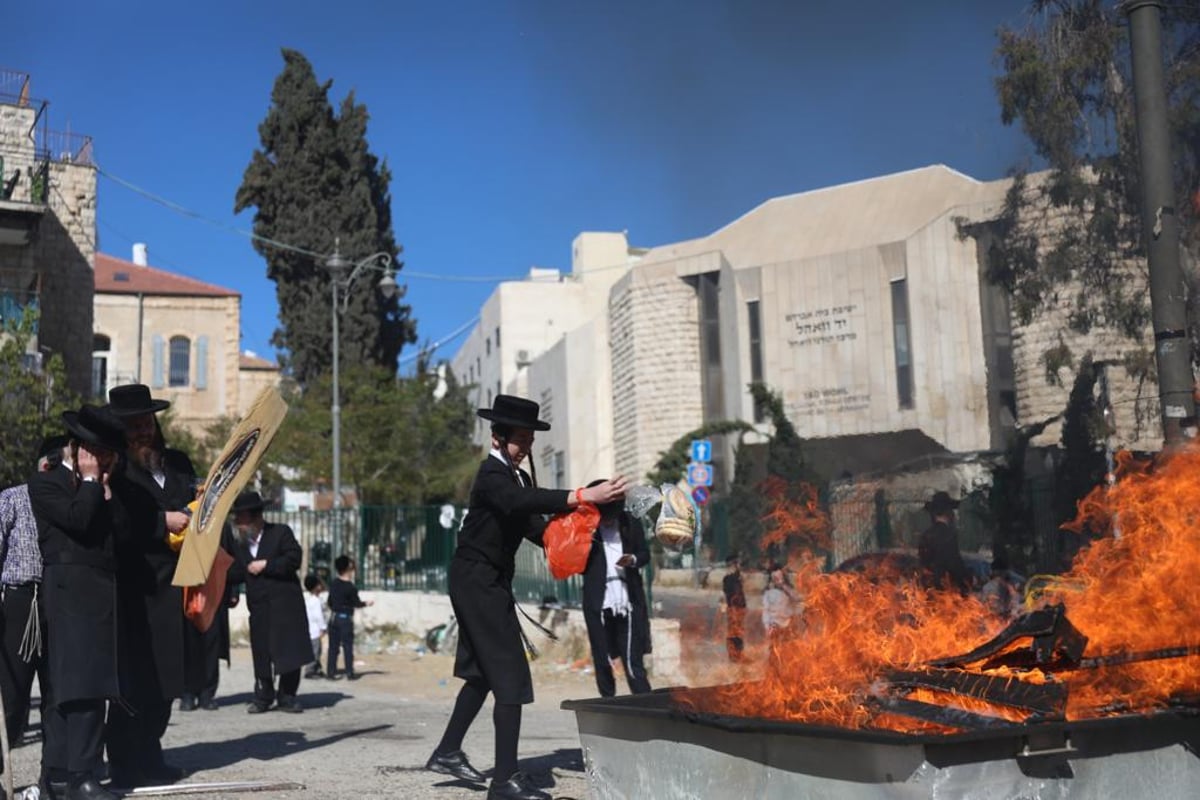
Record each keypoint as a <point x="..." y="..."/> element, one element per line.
<point x="408" y="548"/>
<point x="865" y="520"/>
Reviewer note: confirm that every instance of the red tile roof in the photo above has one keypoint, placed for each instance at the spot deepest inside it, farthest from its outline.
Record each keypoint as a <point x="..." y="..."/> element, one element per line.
<point x="254" y="362"/>
<point x="117" y="276"/>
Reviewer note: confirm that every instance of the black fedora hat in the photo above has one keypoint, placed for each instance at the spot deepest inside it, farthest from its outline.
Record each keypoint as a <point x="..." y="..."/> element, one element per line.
<point x="96" y="425"/>
<point x="133" y="399"/>
<point x="515" y="411"/>
<point x="248" y="501"/>
<point x="52" y="445"/>
<point x="940" y="502"/>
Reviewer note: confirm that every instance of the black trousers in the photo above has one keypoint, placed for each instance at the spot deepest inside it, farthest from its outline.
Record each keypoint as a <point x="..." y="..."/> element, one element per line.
<point x="264" y="678"/>
<point x="135" y="740"/>
<point x="202" y="660"/>
<point x="612" y="633"/>
<point x="341" y="637"/>
<point x="73" y="739"/>
<point x="16" y="674"/>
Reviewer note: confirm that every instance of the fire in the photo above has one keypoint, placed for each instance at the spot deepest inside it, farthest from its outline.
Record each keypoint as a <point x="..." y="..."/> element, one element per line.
<point x="1134" y="591"/>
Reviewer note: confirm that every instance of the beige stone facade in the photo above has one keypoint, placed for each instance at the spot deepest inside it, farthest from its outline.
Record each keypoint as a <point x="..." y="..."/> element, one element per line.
<point x="178" y="335"/>
<point x="865" y="305"/>
<point x="47" y="227"/>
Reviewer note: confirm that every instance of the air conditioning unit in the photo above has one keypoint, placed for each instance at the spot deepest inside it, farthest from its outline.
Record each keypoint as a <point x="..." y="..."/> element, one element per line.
<point x="523" y="359"/>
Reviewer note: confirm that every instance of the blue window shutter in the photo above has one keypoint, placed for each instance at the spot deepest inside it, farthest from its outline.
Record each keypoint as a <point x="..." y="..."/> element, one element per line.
<point x="201" y="362"/>
<point x="156" y="379"/>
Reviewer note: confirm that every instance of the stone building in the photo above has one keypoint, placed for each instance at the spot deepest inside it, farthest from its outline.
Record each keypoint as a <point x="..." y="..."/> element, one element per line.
<point x="47" y="228"/>
<point x="865" y="305"/>
<point x="178" y="335"/>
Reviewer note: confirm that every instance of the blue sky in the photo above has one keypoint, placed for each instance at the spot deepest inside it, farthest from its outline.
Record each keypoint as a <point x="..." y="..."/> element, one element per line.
<point x="512" y="126"/>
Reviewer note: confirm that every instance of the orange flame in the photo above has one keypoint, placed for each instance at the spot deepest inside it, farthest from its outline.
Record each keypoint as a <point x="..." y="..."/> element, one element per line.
<point x="1134" y="593"/>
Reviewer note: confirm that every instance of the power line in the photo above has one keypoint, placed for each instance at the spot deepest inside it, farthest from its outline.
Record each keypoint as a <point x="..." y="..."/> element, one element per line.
<point x="460" y="330"/>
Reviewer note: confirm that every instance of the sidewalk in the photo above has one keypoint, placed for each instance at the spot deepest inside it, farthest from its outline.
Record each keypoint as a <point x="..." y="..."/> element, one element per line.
<point x="366" y="739"/>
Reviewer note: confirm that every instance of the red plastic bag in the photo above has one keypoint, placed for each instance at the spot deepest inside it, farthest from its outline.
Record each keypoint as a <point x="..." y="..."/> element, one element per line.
<point x="568" y="540"/>
<point x="201" y="603"/>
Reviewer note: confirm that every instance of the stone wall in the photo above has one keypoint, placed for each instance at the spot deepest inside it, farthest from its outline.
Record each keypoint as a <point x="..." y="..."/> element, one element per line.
<point x="58" y="261"/>
<point x="654" y="334"/>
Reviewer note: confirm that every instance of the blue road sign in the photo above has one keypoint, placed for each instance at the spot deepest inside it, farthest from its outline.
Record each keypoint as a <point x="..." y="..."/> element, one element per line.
<point x="700" y="474"/>
<point x="701" y="450"/>
<point x="700" y="494"/>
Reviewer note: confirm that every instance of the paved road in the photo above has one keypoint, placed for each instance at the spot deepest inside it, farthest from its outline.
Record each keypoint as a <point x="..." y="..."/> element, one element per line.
<point x="367" y="739"/>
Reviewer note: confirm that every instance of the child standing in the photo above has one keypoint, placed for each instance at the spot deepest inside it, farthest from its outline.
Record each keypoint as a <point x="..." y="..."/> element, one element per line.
<point x="343" y="600"/>
<point x="313" y="589"/>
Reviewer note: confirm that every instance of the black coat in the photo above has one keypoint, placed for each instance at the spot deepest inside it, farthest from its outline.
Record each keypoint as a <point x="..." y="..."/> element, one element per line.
<point x="278" y="621"/>
<point x="633" y="542"/>
<point x="940" y="558"/>
<point x="151" y="609"/>
<point x="501" y="512"/>
<point x="75" y="534"/>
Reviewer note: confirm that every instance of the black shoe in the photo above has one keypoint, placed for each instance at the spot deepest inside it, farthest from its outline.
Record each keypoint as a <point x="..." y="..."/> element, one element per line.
<point x="516" y="787"/>
<point x="124" y="778"/>
<point x="290" y="705"/>
<point x="53" y="790"/>
<point x="454" y="764"/>
<point x="188" y="702"/>
<point x="90" y="790"/>
<point x="257" y="707"/>
<point x="335" y="676"/>
<point x="353" y="676"/>
<point x="210" y="705"/>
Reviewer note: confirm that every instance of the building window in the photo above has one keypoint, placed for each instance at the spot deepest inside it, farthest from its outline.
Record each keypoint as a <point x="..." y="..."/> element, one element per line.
<point x="902" y="335"/>
<point x="756" y="368"/>
<point x="712" y="383"/>
<point x="497" y="337"/>
<point x="497" y="388"/>
<point x="471" y="372"/>
<point x="487" y="346"/>
<point x="101" y="352"/>
<point x="180" y="361"/>
<point x="560" y="470"/>
<point x="489" y="403"/>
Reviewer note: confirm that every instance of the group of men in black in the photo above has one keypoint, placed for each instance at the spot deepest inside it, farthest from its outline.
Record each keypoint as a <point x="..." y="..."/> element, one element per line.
<point x="112" y="646"/>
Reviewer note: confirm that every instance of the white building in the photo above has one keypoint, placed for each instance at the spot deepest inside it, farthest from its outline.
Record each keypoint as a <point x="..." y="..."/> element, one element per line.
<point x="863" y="304"/>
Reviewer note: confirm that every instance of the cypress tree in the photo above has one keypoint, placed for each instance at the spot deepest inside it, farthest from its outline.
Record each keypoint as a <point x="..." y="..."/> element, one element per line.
<point x="314" y="180"/>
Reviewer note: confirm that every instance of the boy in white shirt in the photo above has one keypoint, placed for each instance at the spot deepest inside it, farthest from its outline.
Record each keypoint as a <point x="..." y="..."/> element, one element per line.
<point x="314" y="606"/>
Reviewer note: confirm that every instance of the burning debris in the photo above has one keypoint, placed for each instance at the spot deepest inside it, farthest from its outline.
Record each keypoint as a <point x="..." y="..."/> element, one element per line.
<point x="1119" y="634"/>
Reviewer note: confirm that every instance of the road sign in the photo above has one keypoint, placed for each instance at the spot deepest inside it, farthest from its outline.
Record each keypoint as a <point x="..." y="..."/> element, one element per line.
<point x="700" y="495"/>
<point x="701" y="450"/>
<point x="700" y="474"/>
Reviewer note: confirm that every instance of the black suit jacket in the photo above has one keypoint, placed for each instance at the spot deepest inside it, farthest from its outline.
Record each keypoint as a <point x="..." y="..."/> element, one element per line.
<point x="278" y="621"/>
<point x="502" y="512"/>
<point x="633" y="542"/>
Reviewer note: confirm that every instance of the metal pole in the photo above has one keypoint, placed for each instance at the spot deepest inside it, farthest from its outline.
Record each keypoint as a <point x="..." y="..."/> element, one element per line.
<point x="1160" y="224"/>
<point x="336" y="407"/>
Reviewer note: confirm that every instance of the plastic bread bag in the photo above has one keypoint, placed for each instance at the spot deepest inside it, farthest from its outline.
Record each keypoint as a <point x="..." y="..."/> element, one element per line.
<point x="641" y="500"/>
<point x="678" y="520"/>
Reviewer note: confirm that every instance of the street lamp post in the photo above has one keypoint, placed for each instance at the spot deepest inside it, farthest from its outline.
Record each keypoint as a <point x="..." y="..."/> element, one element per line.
<point x="337" y="266"/>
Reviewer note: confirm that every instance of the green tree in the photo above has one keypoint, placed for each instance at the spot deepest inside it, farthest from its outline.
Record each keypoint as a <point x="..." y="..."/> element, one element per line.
<point x="1074" y="238"/>
<point x="405" y="440"/>
<point x="31" y="401"/>
<point x="314" y="180"/>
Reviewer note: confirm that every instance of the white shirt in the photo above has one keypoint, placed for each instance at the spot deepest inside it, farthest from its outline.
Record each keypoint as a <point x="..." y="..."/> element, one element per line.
<point x="496" y="454"/>
<point x="253" y="544"/>
<point x="316" y="615"/>
<point x="616" y="594"/>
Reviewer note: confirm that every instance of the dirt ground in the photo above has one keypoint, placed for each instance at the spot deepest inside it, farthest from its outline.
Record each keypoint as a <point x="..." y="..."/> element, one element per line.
<point x="364" y="739"/>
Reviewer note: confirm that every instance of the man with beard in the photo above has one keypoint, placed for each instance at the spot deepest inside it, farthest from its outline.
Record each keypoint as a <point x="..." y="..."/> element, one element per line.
<point x="266" y="557"/>
<point x="77" y="516"/>
<point x="150" y="610"/>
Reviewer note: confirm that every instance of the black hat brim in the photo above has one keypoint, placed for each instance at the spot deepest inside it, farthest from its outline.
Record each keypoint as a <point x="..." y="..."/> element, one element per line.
<point x="155" y="406"/>
<point x="85" y="434"/>
<point x="501" y="419"/>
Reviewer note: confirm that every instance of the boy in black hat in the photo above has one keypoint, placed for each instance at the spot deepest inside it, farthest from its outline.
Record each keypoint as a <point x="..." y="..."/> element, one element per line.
<point x="505" y="507"/>
<point x="937" y="550"/>
<point x="266" y="557"/>
<point x="77" y="517"/>
<point x="151" y="625"/>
